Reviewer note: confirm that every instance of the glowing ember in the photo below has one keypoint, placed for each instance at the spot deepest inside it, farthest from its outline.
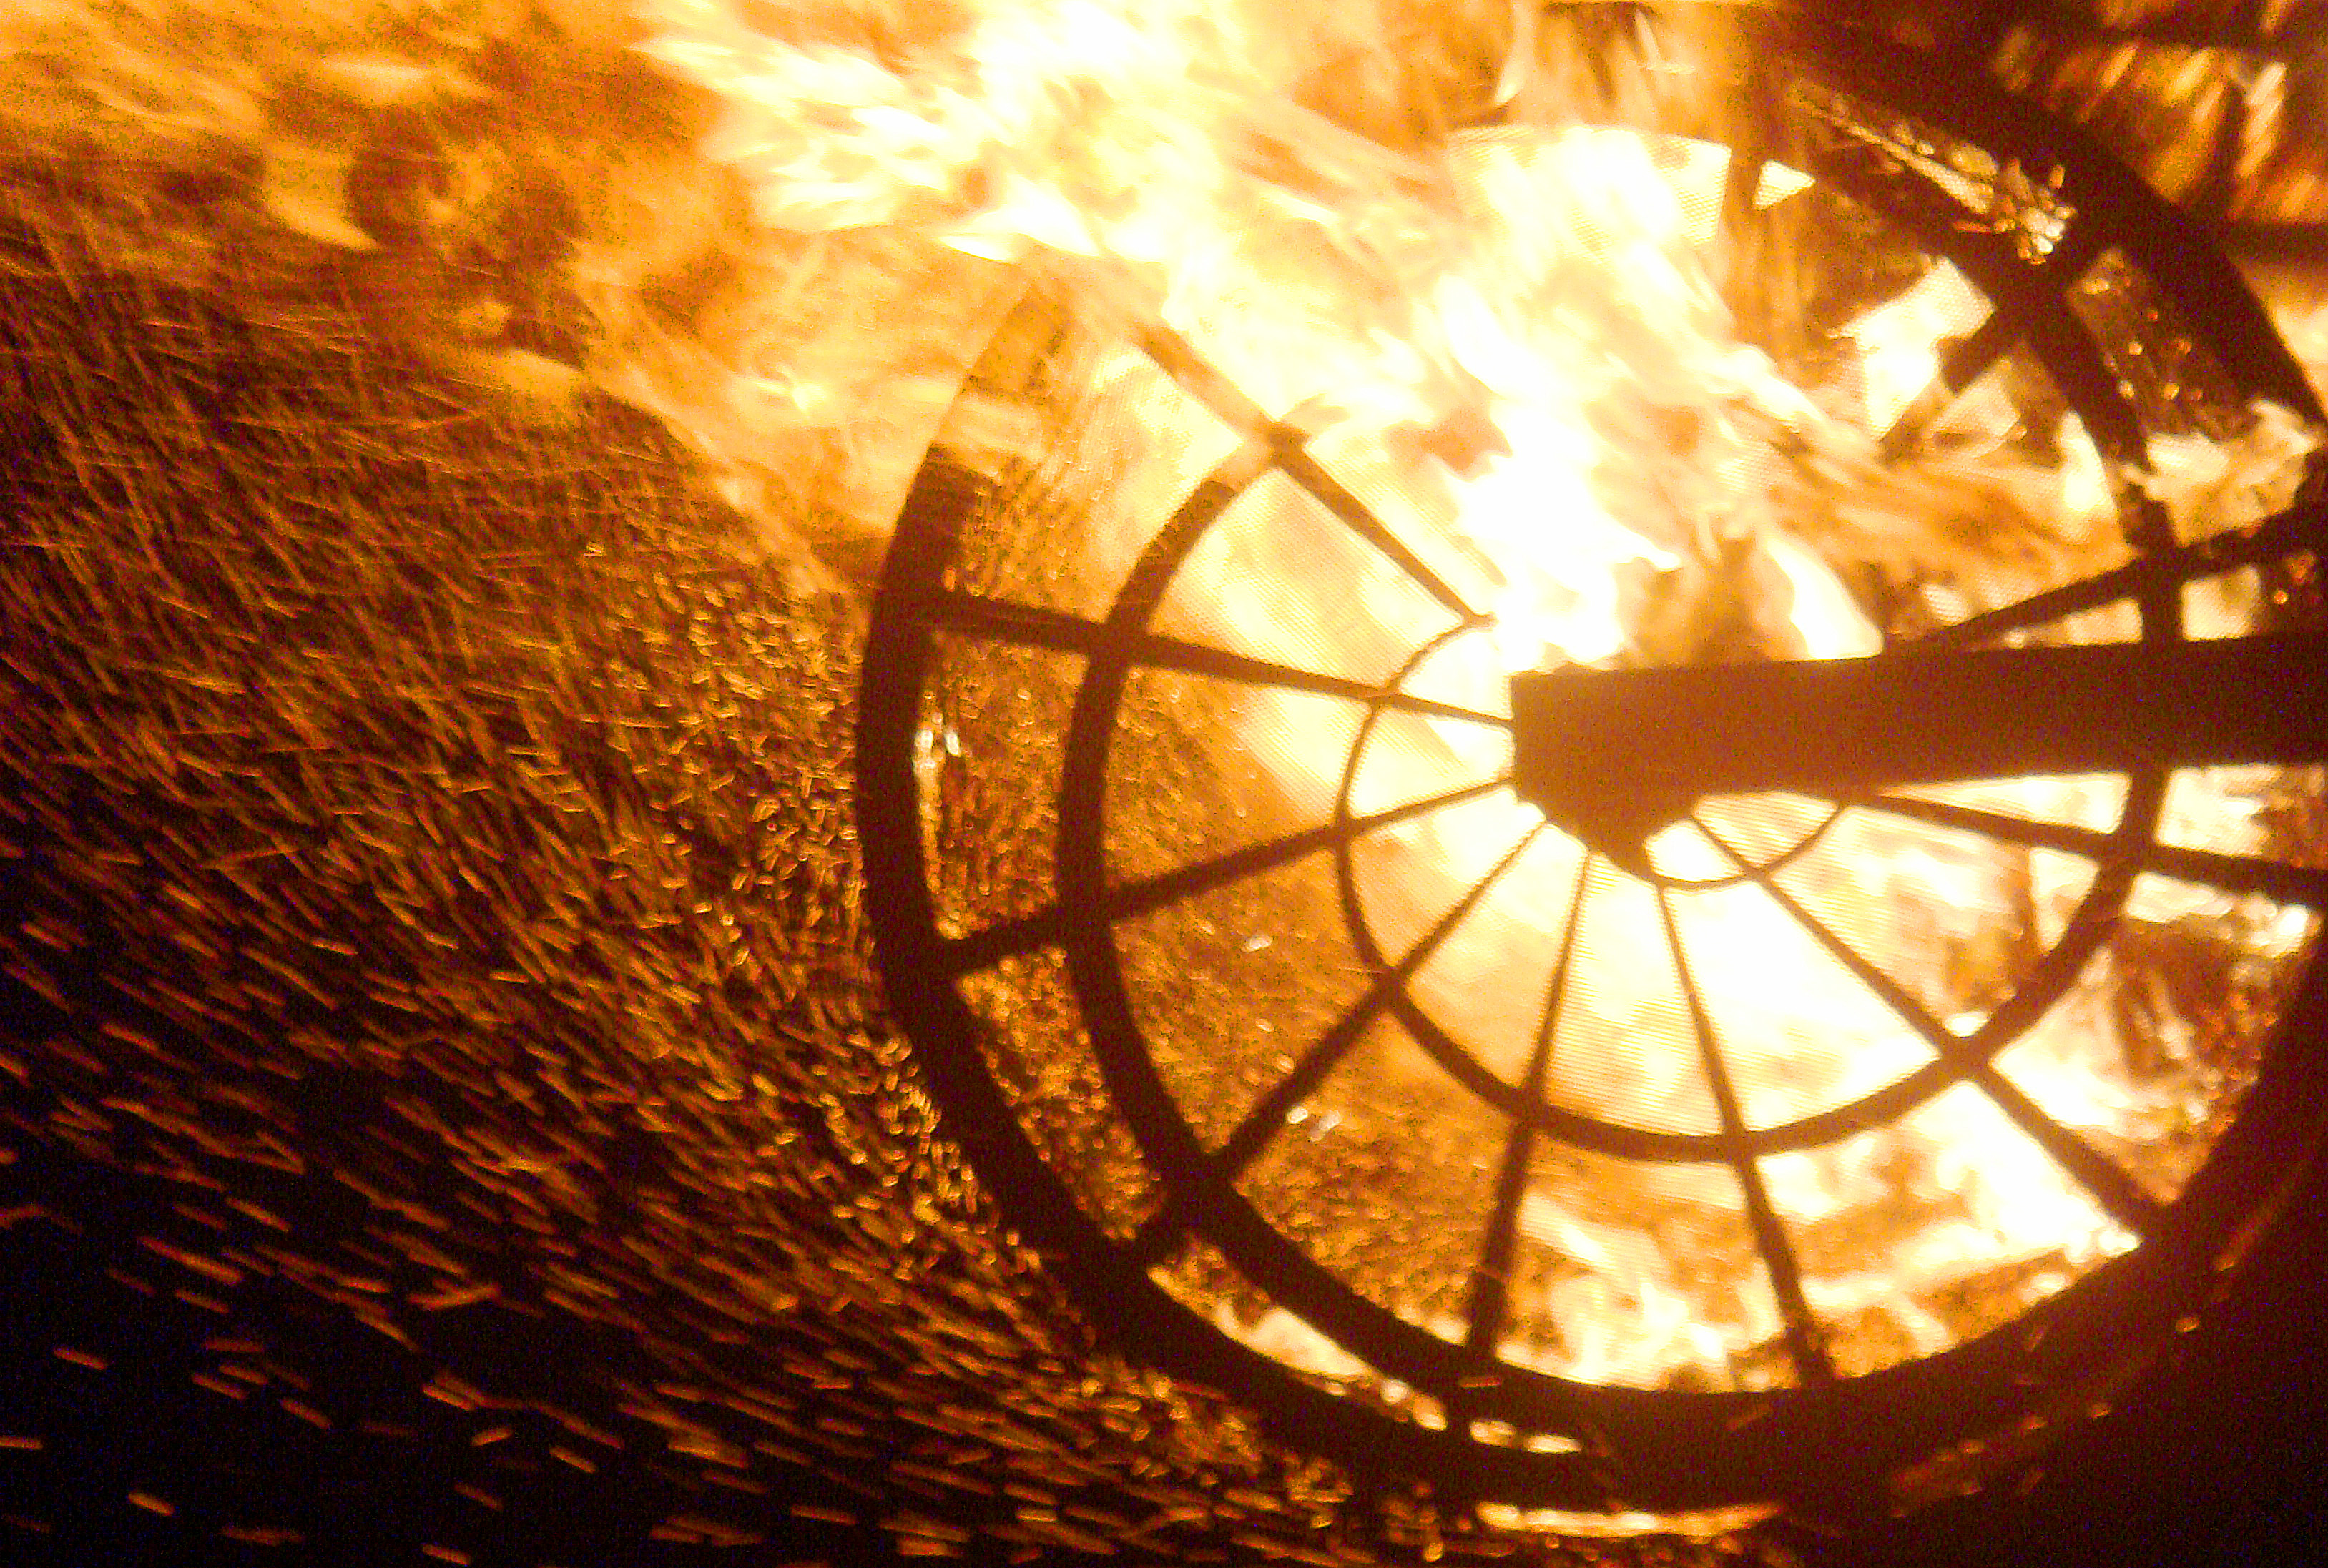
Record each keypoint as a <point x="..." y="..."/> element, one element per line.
<point x="1615" y="388"/>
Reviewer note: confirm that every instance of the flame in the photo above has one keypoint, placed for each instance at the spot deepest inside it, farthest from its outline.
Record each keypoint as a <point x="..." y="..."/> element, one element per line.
<point x="1532" y="316"/>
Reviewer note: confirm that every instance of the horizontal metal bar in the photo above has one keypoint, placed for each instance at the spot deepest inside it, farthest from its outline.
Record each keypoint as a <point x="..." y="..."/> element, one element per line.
<point x="1592" y="741"/>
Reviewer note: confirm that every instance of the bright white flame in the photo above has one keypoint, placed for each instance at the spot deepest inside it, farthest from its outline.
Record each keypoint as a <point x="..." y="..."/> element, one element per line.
<point x="1898" y="340"/>
<point x="1557" y="288"/>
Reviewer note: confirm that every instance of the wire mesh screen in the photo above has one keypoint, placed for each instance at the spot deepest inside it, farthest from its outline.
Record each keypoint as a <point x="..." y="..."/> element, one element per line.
<point x="1450" y="1103"/>
<point x="1471" y="908"/>
<point x="449" y="1113"/>
<point x="448" y="1109"/>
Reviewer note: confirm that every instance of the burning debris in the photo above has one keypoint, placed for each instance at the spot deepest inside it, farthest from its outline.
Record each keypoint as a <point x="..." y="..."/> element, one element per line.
<point x="1667" y="495"/>
<point x="440" y="924"/>
<point x="434" y="930"/>
<point x="785" y="234"/>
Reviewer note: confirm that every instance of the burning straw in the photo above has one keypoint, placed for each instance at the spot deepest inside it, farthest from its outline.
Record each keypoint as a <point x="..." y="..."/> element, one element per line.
<point x="419" y="790"/>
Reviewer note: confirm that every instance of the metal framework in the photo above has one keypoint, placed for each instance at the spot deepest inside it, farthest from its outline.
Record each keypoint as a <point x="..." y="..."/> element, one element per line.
<point x="1831" y="1441"/>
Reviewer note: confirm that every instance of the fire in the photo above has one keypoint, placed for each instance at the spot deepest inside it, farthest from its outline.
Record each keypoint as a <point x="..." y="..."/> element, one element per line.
<point x="1516" y="341"/>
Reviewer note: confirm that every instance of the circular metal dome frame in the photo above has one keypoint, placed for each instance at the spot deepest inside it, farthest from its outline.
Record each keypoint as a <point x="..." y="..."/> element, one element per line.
<point x="1832" y="1442"/>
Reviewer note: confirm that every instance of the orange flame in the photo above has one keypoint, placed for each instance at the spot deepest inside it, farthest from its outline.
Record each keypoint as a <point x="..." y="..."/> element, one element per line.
<point x="1556" y="286"/>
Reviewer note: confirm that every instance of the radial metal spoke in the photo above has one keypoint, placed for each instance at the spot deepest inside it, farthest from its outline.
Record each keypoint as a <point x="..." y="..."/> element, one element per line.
<point x="1490" y="1301"/>
<point x="1742" y="186"/>
<point x="1747" y="228"/>
<point x="1336" y="498"/>
<point x="1165" y="1230"/>
<point x="1035" y="625"/>
<point x="1055" y="922"/>
<point x="2025" y="831"/>
<point x="1973" y="356"/>
<point x="1137" y="897"/>
<point x="2277" y="879"/>
<point x="2119" y="1194"/>
<point x="1198" y="378"/>
<point x="1994" y="259"/>
<point x="1160" y="1235"/>
<point x="2301" y="527"/>
<point x="1965" y="362"/>
<point x="1264" y="1120"/>
<point x="1805" y="1343"/>
<point x="1011" y="938"/>
<point x="1890" y="991"/>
